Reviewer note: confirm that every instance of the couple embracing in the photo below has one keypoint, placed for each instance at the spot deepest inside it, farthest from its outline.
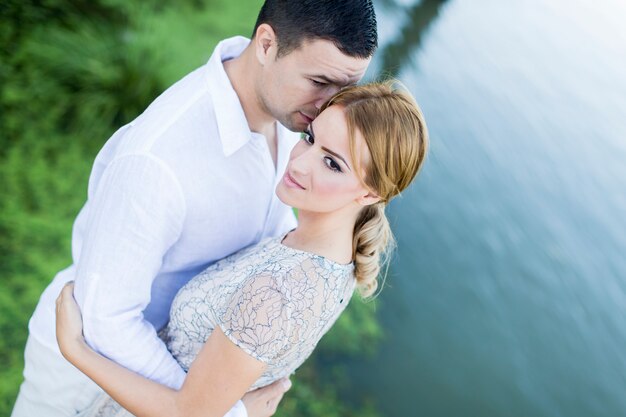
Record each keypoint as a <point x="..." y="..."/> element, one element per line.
<point x="195" y="291"/>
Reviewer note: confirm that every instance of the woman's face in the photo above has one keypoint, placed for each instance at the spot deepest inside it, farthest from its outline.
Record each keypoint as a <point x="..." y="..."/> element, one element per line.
<point x="321" y="176"/>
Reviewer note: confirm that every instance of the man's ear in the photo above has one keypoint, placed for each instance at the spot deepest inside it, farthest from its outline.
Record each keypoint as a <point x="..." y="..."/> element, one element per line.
<point x="368" y="199"/>
<point x="265" y="43"/>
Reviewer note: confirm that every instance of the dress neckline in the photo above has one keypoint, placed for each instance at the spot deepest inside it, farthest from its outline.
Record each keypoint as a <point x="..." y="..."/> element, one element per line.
<point x="280" y="239"/>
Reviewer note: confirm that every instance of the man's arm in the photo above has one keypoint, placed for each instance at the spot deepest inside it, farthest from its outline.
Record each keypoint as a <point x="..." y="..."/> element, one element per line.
<point x="136" y="215"/>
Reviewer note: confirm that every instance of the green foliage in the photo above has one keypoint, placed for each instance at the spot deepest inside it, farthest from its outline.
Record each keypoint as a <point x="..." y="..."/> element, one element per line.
<point x="319" y="383"/>
<point x="356" y="333"/>
<point x="312" y="395"/>
<point x="71" y="73"/>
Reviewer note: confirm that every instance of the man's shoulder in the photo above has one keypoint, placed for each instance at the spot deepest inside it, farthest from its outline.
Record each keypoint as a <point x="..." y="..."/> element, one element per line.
<point x="179" y="107"/>
<point x="179" y="122"/>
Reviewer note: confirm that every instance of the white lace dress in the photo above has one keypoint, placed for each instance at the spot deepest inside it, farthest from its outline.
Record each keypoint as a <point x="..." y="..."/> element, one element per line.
<point x="272" y="301"/>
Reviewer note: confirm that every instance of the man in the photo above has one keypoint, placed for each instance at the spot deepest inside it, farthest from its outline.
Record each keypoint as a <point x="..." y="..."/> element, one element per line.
<point x="188" y="182"/>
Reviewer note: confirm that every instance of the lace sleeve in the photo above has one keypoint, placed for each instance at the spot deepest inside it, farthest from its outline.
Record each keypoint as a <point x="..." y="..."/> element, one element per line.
<point x="258" y="319"/>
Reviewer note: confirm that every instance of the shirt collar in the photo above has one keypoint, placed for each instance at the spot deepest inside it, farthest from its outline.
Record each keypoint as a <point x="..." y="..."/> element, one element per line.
<point x="231" y="121"/>
<point x="229" y="115"/>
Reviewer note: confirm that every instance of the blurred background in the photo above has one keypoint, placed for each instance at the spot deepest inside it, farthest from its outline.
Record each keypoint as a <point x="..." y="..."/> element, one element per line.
<point x="507" y="294"/>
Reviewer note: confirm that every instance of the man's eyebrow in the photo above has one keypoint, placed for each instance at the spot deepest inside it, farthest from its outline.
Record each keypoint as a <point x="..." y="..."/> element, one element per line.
<point x="327" y="80"/>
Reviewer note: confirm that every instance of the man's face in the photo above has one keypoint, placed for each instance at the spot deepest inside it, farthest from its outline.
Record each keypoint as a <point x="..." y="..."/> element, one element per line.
<point x="293" y="87"/>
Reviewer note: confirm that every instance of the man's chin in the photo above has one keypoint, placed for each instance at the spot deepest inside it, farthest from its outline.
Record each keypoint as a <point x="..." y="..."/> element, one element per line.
<point x="295" y="125"/>
<point x="298" y="121"/>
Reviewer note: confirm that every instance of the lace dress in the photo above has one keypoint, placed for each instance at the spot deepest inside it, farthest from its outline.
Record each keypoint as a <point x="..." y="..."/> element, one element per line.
<point x="272" y="301"/>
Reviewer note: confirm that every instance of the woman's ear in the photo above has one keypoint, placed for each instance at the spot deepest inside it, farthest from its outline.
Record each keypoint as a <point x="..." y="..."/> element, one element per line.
<point x="368" y="199"/>
<point x="265" y="44"/>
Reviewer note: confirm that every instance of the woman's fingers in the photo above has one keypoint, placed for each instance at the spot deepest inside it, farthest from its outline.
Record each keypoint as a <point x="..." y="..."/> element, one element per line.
<point x="66" y="291"/>
<point x="69" y="323"/>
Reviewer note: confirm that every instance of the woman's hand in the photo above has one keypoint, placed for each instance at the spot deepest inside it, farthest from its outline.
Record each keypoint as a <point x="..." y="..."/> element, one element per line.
<point x="69" y="324"/>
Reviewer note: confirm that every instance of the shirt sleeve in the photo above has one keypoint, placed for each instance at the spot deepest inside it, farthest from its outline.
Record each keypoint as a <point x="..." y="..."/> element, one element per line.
<point x="136" y="214"/>
<point x="238" y="410"/>
<point x="258" y="319"/>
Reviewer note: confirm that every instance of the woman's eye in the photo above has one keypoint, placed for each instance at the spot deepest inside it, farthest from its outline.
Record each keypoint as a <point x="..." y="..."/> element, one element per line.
<point x="318" y="83"/>
<point x="331" y="164"/>
<point x="306" y="136"/>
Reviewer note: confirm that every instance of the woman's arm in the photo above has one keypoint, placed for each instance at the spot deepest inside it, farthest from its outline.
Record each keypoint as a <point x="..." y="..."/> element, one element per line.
<point x="219" y="376"/>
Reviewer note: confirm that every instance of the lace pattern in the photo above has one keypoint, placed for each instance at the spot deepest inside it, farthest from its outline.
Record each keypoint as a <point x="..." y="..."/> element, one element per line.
<point x="272" y="301"/>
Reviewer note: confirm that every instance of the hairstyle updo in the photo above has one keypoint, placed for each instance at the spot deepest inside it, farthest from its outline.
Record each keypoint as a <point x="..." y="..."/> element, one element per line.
<point x="394" y="130"/>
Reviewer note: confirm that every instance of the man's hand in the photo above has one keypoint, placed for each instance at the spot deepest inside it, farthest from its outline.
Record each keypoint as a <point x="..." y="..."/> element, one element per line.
<point x="263" y="401"/>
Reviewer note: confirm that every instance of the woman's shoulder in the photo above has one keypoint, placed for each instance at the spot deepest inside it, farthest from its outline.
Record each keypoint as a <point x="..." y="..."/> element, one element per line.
<point x="282" y="308"/>
<point x="300" y="282"/>
<point x="291" y="268"/>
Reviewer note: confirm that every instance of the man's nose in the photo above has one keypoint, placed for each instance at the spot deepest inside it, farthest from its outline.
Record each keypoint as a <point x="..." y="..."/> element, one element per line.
<point x="327" y="94"/>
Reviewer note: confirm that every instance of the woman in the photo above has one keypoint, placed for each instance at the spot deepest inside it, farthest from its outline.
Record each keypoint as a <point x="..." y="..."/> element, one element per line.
<point x="254" y="317"/>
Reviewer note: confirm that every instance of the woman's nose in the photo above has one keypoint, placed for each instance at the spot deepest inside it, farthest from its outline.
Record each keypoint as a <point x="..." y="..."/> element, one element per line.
<point x="301" y="163"/>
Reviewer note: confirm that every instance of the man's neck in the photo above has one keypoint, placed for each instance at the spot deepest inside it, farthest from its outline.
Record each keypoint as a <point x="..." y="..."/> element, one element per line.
<point x="240" y="72"/>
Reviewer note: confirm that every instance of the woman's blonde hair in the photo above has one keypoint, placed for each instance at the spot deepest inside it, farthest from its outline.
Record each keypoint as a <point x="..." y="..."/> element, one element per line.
<point x="394" y="130"/>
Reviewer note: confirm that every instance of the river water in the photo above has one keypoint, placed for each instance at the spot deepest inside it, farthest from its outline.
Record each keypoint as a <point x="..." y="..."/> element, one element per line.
<point x="507" y="294"/>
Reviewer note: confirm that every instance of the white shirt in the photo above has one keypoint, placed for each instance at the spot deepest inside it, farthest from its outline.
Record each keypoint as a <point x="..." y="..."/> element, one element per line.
<point x="183" y="185"/>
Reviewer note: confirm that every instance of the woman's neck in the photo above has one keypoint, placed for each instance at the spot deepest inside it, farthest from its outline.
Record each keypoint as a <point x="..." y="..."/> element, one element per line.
<point x="326" y="234"/>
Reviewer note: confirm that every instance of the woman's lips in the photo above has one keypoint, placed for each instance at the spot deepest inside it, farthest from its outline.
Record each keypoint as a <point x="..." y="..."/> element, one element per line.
<point x="291" y="182"/>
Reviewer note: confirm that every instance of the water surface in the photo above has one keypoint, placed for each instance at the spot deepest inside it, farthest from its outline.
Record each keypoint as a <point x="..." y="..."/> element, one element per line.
<point x="507" y="296"/>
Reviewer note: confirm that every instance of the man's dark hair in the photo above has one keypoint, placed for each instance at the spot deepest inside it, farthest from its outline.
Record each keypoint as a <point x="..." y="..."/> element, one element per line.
<point x="349" y="24"/>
